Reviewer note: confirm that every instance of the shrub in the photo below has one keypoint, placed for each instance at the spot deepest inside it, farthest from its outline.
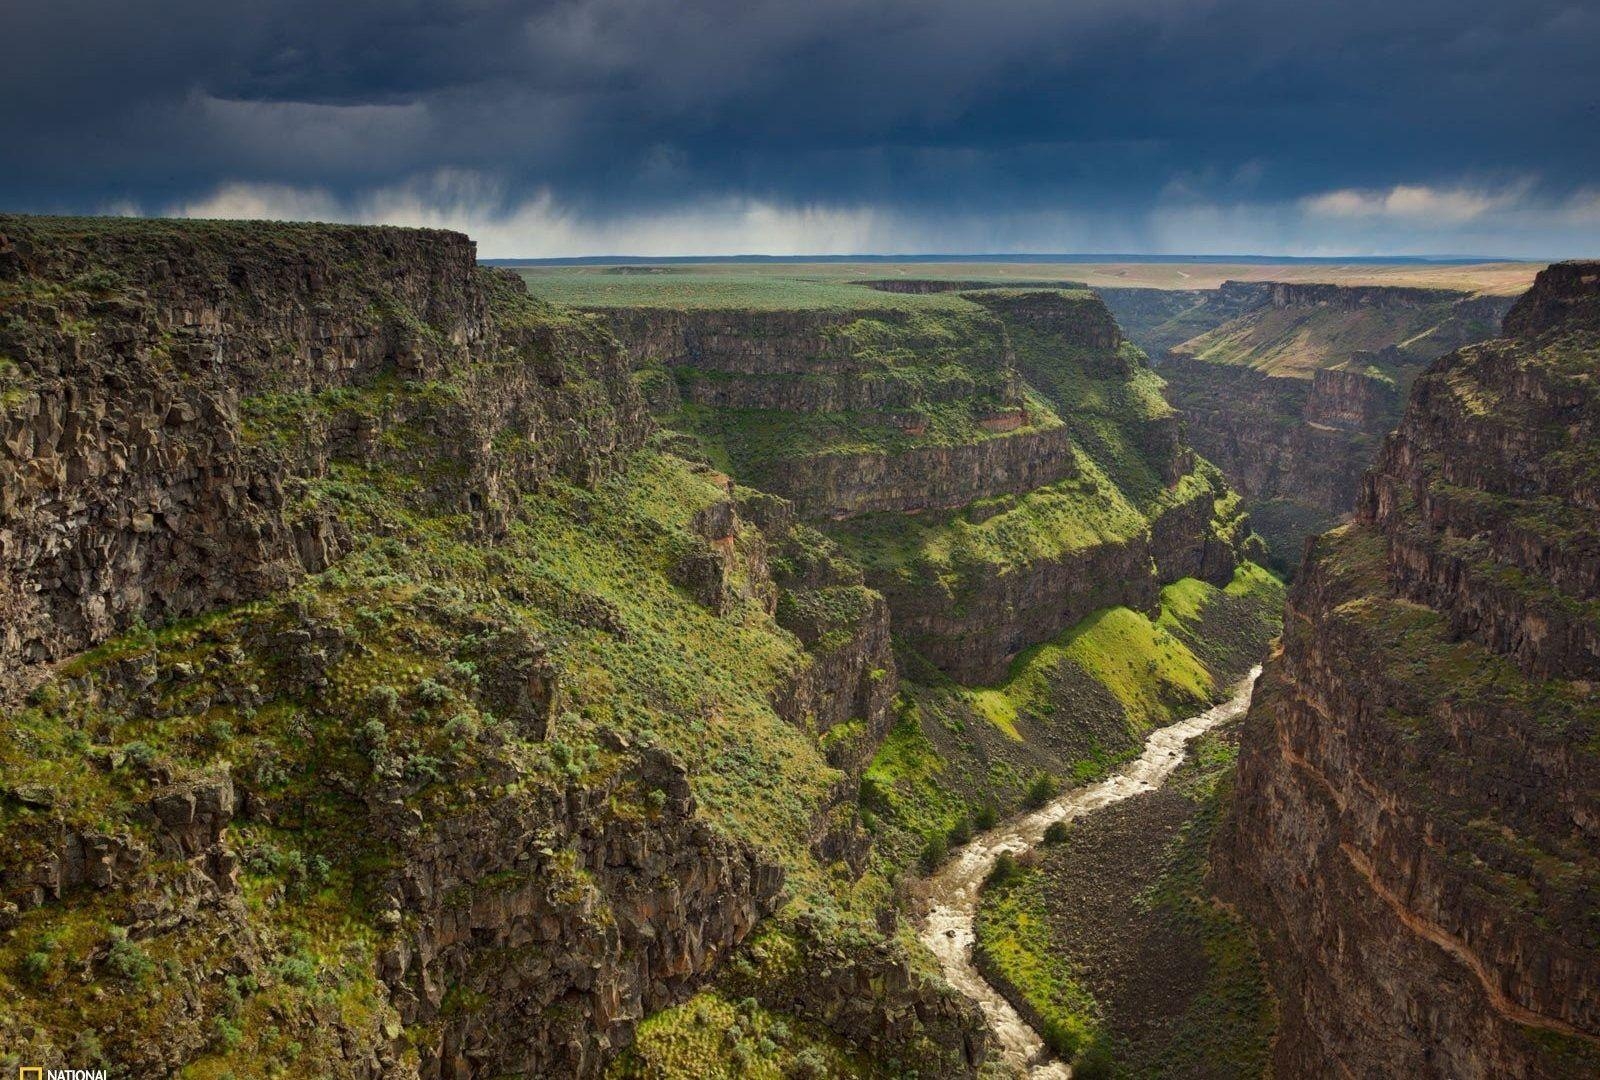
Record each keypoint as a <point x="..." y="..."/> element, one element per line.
<point x="385" y="700"/>
<point x="462" y="727"/>
<point x="37" y="964"/>
<point x="1040" y="791"/>
<point x="126" y="960"/>
<point x="432" y="694"/>
<point x="809" y="1064"/>
<point x="226" y="1036"/>
<point x="959" y="833"/>
<point x="933" y="854"/>
<point x="1004" y="872"/>
<point x="299" y="969"/>
<point x="139" y="753"/>
<point x="1093" y="1062"/>
<point x="986" y="816"/>
<point x="374" y="735"/>
<point x="1056" y="832"/>
<point x="874" y="795"/>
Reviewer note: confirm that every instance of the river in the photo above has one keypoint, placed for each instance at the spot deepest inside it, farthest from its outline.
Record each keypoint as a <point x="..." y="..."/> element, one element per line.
<point x="952" y="890"/>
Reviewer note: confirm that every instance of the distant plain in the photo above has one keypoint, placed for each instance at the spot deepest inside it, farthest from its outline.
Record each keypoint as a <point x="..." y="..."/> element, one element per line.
<point x="828" y="284"/>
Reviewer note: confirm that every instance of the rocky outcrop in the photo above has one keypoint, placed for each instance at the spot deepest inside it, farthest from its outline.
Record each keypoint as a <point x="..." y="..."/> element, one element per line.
<point x="596" y="915"/>
<point x="975" y="633"/>
<point x="168" y="394"/>
<point x="759" y="342"/>
<point x="1416" y="828"/>
<point x="1271" y="435"/>
<point x="1353" y="398"/>
<point x="1072" y="320"/>
<point x="563" y="914"/>
<point x="923" y="478"/>
<point x="877" y="998"/>
<point x="1285" y="294"/>
<point x="1564" y="297"/>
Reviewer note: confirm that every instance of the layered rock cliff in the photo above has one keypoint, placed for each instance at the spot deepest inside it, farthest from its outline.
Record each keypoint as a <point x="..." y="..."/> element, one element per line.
<point x="1021" y="413"/>
<point x="1157" y="320"/>
<point x="1415" y="828"/>
<point x="376" y="704"/>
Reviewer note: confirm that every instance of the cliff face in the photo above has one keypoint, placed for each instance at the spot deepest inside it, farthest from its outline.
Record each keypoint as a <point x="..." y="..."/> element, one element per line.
<point x="936" y="477"/>
<point x="378" y="706"/>
<point x="140" y="365"/>
<point x="997" y="407"/>
<point x="974" y="627"/>
<point x="1295" y="448"/>
<point x="1415" y="828"/>
<point x="1291" y="396"/>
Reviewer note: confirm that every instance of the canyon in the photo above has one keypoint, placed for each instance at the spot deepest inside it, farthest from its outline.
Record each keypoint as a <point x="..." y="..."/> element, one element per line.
<point x="412" y="668"/>
<point x="390" y="693"/>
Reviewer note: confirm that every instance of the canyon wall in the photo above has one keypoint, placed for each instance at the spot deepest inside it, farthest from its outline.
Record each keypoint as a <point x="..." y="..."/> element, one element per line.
<point x="139" y="368"/>
<point x="963" y="410"/>
<point x="1158" y="320"/>
<point x="1415" y="827"/>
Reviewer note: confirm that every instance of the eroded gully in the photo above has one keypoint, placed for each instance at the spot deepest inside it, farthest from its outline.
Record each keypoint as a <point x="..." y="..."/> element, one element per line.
<point x="952" y="891"/>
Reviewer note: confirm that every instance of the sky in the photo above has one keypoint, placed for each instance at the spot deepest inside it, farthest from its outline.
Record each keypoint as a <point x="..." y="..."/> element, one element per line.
<point x="647" y="127"/>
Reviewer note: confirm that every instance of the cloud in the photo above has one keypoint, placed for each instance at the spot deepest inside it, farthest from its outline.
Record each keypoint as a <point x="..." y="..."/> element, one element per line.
<point x="1418" y="202"/>
<point x="940" y="123"/>
<point x="508" y="223"/>
<point x="540" y="227"/>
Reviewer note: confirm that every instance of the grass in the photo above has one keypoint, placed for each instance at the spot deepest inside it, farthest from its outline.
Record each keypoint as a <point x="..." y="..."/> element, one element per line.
<point x="1501" y="278"/>
<point x="1013" y="934"/>
<point x="712" y="290"/>
<point x="761" y="443"/>
<point x="1077" y="706"/>
<point x="715" y="1038"/>
<point x="1048" y="524"/>
<point x="1295" y="341"/>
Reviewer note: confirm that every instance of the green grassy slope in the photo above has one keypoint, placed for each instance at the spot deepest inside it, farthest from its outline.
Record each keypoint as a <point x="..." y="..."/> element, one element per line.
<point x="1070" y="710"/>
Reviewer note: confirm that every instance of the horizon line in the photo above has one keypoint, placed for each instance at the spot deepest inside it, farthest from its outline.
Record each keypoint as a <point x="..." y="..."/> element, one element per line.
<point x="1005" y="257"/>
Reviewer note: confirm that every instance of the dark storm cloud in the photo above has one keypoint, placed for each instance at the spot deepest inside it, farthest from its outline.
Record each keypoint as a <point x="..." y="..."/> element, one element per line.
<point x="927" y="106"/>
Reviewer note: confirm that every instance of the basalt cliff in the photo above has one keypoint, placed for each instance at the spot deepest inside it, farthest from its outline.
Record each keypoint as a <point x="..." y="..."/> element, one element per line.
<point x="1415" y="827"/>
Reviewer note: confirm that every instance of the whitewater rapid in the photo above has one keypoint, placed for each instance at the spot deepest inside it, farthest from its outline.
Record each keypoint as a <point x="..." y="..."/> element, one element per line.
<point x="952" y="890"/>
